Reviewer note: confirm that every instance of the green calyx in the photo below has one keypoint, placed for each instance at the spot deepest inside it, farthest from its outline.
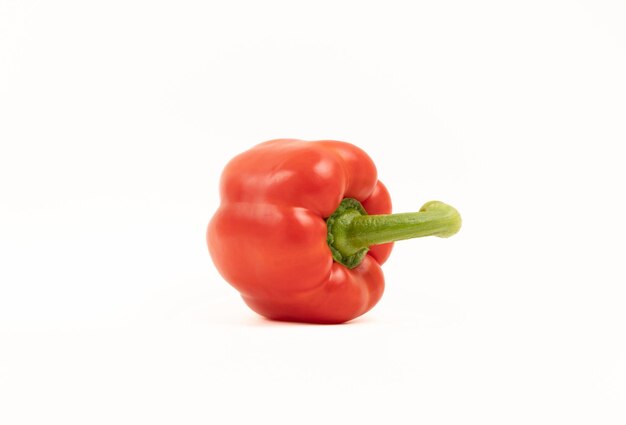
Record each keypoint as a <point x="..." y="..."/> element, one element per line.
<point x="351" y="231"/>
<point x="338" y="239"/>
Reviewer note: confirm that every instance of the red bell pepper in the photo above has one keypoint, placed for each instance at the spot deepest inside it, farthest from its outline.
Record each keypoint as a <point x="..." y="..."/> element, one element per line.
<point x="303" y="228"/>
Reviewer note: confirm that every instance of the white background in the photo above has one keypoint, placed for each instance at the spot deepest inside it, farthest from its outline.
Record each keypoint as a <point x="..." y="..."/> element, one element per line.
<point x="117" y="117"/>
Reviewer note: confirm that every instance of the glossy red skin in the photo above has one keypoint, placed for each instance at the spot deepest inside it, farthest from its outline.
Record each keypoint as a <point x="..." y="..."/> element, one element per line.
<point x="268" y="237"/>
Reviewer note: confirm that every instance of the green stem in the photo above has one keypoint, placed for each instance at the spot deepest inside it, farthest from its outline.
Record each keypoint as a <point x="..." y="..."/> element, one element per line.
<point x="351" y="231"/>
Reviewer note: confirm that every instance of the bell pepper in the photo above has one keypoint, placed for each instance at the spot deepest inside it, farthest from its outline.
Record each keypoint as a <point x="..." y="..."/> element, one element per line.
<point x="304" y="227"/>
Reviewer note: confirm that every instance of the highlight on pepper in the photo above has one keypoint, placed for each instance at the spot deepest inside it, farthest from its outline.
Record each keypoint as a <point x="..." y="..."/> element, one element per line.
<point x="304" y="227"/>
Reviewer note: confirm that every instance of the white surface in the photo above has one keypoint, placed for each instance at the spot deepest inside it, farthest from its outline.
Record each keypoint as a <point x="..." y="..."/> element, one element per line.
<point x="117" y="117"/>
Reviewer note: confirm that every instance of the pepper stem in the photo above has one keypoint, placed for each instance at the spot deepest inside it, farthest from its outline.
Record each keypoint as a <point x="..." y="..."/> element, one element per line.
<point x="351" y="231"/>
